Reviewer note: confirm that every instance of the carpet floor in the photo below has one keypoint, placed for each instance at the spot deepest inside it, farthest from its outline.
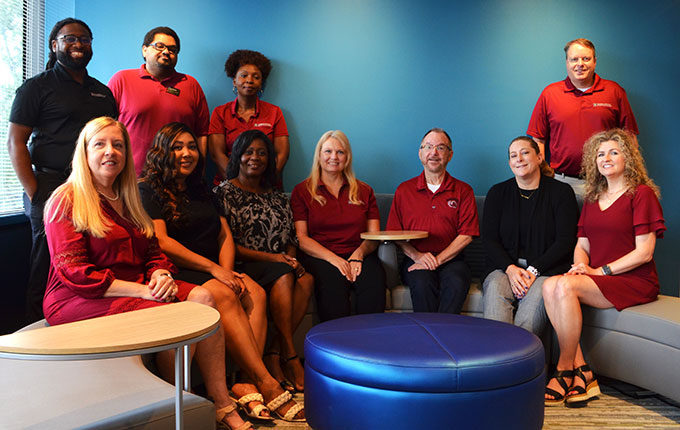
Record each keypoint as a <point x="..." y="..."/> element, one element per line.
<point x="611" y="410"/>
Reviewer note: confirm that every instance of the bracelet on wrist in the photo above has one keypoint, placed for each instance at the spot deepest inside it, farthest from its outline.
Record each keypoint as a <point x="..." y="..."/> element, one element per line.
<point x="167" y="274"/>
<point x="606" y="270"/>
<point x="355" y="260"/>
<point x="533" y="271"/>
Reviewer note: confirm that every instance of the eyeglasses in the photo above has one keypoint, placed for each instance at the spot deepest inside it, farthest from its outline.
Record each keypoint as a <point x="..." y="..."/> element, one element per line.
<point x="160" y="47"/>
<point x="440" y="148"/>
<point x="71" y="39"/>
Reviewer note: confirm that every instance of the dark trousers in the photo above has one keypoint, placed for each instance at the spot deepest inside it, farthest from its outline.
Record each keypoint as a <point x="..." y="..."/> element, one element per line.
<point x="441" y="290"/>
<point x="40" y="254"/>
<point x="332" y="290"/>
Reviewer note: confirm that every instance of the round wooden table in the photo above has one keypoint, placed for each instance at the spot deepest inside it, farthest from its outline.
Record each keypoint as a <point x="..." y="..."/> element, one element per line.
<point x="144" y="331"/>
<point x="387" y="235"/>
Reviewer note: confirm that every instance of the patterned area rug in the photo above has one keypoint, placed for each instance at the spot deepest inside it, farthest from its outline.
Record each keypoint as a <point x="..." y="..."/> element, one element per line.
<point x="612" y="410"/>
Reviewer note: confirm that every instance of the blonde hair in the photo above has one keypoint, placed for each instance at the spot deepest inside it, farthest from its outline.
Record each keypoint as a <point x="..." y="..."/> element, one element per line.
<point x="635" y="172"/>
<point x="348" y="173"/>
<point x="79" y="196"/>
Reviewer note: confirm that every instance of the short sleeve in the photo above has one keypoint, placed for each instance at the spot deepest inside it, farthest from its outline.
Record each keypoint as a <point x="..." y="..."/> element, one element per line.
<point x="626" y="119"/>
<point x="26" y="105"/>
<point x="297" y="202"/>
<point x="538" y="124"/>
<point x="468" y="221"/>
<point x="217" y="121"/>
<point x="647" y="213"/>
<point x="580" y="231"/>
<point x="394" y="219"/>
<point x="70" y="259"/>
<point x="280" y="127"/>
<point x="372" y="205"/>
<point x="202" y="127"/>
<point x="150" y="201"/>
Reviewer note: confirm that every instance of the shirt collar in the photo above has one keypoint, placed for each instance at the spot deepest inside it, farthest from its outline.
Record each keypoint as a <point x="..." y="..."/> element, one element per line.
<point x="174" y="77"/>
<point x="64" y="75"/>
<point x="597" y="86"/>
<point x="447" y="183"/>
<point x="235" y="104"/>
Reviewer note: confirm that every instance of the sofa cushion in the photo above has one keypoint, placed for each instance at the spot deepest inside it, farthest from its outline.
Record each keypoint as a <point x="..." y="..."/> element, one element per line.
<point x="658" y="321"/>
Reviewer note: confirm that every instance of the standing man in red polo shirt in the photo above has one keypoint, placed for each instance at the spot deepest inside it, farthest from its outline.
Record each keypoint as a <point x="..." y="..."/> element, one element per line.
<point x="156" y="94"/>
<point x="568" y="112"/>
<point x="436" y="202"/>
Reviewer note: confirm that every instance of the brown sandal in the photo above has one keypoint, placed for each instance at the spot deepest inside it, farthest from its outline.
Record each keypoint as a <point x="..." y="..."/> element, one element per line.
<point x="223" y="412"/>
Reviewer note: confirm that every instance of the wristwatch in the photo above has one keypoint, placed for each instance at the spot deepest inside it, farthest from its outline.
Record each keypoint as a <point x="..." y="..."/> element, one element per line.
<point x="606" y="270"/>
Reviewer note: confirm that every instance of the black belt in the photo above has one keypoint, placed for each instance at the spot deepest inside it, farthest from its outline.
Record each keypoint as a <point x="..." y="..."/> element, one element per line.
<point x="568" y="176"/>
<point x="51" y="171"/>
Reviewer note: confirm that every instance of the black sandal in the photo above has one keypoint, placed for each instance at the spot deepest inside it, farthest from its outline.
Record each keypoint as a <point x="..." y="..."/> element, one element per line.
<point x="558" y="398"/>
<point x="581" y="394"/>
<point x="285" y="384"/>
<point x="285" y="361"/>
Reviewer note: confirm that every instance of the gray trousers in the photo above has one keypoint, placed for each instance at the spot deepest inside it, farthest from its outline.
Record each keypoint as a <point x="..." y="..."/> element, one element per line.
<point x="501" y="305"/>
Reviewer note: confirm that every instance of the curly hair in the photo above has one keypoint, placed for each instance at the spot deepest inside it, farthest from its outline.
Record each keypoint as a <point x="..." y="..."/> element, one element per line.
<point x="243" y="57"/>
<point x="545" y="168"/>
<point x="52" y="58"/>
<point x="160" y="173"/>
<point x="635" y="172"/>
<point x="243" y="141"/>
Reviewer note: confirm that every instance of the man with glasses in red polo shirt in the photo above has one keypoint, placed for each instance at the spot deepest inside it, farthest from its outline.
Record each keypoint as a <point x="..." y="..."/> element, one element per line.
<point x="436" y="202"/>
<point x="156" y="94"/>
<point x="568" y="112"/>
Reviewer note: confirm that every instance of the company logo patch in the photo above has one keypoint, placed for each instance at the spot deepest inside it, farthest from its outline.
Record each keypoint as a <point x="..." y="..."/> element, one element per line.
<point x="262" y="124"/>
<point x="452" y="203"/>
<point x="602" y="105"/>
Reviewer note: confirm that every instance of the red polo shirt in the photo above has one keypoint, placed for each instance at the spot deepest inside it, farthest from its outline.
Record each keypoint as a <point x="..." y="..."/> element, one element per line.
<point x="268" y="119"/>
<point x="449" y="212"/>
<point x="337" y="224"/>
<point x="146" y="105"/>
<point x="566" y="117"/>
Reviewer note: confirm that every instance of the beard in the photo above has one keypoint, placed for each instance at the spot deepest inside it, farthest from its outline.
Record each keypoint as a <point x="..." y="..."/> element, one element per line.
<point x="74" y="63"/>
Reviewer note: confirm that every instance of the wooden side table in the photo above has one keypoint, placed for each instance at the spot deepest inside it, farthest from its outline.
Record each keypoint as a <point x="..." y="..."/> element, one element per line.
<point x="144" y="331"/>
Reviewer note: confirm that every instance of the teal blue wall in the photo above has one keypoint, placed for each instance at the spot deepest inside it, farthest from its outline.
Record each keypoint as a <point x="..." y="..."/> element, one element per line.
<point x="384" y="71"/>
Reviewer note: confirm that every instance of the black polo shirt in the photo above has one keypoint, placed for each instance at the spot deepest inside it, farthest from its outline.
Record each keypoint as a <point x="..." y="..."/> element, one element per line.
<point x="57" y="107"/>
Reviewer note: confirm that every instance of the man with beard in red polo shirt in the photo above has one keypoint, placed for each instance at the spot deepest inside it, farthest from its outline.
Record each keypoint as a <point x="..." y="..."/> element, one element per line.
<point x="440" y="204"/>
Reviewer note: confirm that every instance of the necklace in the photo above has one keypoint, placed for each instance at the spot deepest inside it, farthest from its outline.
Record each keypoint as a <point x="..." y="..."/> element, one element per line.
<point x="526" y="196"/>
<point x="113" y="199"/>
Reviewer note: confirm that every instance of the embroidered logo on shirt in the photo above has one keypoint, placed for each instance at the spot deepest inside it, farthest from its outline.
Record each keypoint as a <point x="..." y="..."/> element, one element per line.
<point x="262" y="124"/>
<point x="452" y="203"/>
<point x="602" y="105"/>
<point x="103" y="96"/>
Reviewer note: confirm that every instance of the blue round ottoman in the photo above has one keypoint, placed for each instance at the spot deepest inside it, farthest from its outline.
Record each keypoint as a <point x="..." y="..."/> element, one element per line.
<point x="422" y="370"/>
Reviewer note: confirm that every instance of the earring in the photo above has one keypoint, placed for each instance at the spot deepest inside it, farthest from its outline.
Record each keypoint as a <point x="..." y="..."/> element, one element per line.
<point x="260" y="92"/>
<point x="233" y="90"/>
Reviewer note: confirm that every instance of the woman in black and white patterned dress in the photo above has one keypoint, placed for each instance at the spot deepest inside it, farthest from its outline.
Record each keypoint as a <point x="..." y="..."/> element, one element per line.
<point x="262" y="225"/>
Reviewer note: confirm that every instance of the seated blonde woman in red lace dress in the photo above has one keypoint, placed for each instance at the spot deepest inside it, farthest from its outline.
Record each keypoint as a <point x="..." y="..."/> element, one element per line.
<point x="106" y="259"/>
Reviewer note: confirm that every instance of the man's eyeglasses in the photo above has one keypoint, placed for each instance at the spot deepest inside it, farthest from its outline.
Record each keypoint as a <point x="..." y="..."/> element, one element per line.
<point x="71" y="39"/>
<point x="160" y="47"/>
<point x="440" y="147"/>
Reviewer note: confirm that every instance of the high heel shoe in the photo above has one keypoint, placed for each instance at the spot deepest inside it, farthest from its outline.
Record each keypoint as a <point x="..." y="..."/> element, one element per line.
<point x="223" y="412"/>
<point x="581" y="394"/>
<point x="558" y="398"/>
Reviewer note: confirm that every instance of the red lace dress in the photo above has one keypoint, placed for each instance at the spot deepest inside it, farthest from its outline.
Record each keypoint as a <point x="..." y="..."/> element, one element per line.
<point x="83" y="267"/>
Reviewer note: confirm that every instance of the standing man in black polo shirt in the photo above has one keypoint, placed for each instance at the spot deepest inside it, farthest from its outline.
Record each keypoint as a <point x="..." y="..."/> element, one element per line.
<point x="51" y="108"/>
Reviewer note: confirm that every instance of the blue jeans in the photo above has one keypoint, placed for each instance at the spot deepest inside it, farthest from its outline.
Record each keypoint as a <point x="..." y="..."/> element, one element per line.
<point x="500" y="303"/>
<point x="441" y="290"/>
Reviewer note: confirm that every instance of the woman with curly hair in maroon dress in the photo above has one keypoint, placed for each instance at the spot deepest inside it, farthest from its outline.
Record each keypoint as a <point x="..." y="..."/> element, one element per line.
<point x="613" y="259"/>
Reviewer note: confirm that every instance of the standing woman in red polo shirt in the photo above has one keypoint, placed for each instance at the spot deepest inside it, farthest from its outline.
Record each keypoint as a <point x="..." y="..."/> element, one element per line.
<point x="249" y="71"/>
<point x="331" y="208"/>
